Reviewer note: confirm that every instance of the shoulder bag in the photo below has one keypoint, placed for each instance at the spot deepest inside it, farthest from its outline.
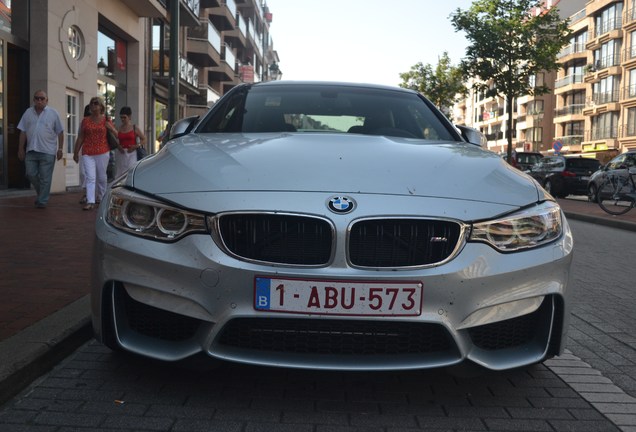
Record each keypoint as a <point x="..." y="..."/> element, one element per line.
<point x="111" y="137"/>
<point x="141" y="150"/>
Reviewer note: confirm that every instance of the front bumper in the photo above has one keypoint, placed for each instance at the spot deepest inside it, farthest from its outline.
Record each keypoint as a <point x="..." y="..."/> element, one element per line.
<point x="171" y="301"/>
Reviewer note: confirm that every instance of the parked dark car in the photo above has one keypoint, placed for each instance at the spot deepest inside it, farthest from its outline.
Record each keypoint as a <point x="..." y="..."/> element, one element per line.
<point x="524" y="160"/>
<point x="562" y="176"/>
<point x="620" y="162"/>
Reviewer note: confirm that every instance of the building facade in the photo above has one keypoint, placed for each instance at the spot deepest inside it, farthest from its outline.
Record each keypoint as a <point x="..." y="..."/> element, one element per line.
<point x="592" y="108"/>
<point x="121" y="50"/>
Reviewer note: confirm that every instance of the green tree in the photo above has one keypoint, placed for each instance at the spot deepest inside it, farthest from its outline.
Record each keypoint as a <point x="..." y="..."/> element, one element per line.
<point x="443" y="85"/>
<point x="510" y="44"/>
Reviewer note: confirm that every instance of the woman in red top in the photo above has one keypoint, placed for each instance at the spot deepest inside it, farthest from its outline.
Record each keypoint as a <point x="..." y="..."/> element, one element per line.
<point x="92" y="144"/>
<point x="130" y="139"/>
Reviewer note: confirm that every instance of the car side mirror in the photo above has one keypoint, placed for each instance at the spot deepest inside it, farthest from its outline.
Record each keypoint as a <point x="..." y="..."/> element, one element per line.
<point x="472" y="136"/>
<point x="182" y="127"/>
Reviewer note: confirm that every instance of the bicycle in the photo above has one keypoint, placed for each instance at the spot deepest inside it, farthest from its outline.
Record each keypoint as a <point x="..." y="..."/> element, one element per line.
<point x="617" y="193"/>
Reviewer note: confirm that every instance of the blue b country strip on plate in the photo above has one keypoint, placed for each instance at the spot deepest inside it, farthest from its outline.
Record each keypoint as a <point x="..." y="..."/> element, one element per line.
<point x="327" y="297"/>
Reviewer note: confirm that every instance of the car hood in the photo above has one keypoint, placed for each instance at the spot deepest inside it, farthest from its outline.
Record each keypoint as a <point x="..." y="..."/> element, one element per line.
<point x="333" y="163"/>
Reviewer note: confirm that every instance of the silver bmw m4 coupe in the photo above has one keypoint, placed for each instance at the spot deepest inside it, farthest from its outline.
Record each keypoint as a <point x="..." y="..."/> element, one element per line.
<point x="331" y="226"/>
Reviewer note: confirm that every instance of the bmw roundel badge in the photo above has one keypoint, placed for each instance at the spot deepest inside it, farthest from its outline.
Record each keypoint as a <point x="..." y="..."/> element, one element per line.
<point x="341" y="204"/>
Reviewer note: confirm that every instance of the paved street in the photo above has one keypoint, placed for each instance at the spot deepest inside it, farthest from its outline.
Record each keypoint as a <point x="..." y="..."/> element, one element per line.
<point x="590" y="389"/>
<point x="99" y="391"/>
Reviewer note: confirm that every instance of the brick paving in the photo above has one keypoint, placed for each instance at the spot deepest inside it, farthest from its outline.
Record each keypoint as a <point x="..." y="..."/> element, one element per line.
<point x="45" y="267"/>
<point x="44" y="258"/>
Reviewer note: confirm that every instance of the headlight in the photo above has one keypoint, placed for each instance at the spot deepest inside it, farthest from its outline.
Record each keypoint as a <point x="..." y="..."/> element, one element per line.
<point x="529" y="228"/>
<point x="139" y="215"/>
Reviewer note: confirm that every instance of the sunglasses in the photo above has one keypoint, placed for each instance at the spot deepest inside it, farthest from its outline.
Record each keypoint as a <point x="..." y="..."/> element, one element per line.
<point x="39" y="98"/>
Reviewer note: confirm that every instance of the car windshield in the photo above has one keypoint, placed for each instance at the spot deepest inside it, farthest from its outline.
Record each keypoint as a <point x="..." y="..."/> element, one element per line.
<point x="583" y="163"/>
<point x="327" y="109"/>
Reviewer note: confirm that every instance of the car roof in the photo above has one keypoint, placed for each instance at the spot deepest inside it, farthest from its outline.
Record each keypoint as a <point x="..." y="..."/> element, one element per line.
<point x="330" y="84"/>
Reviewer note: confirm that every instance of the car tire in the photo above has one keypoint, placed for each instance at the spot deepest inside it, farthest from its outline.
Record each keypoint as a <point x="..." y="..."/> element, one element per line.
<point x="592" y="193"/>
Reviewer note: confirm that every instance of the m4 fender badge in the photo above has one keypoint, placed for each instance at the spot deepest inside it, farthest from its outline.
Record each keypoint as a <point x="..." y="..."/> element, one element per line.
<point x="341" y="204"/>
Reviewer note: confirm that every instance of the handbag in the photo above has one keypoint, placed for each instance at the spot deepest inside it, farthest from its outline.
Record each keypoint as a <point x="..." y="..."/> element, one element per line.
<point x="113" y="141"/>
<point x="141" y="153"/>
<point x="141" y="150"/>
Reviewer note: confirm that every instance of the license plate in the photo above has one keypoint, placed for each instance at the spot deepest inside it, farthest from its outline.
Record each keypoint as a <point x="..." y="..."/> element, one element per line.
<point x="585" y="178"/>
<point x="359" y="298"/>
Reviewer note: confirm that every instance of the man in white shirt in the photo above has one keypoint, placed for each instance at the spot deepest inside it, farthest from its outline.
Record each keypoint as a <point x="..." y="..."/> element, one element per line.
<point x="41" y="142"/>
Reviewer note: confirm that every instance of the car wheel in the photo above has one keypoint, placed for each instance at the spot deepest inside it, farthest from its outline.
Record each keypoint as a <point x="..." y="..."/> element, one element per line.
<point x="592" y="193"/>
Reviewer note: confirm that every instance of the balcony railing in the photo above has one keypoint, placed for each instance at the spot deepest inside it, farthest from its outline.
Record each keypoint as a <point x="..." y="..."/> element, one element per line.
<point x="569" y="110"/>
<point x="630" y="16"/>
<point x="602" y="133"/>
<point x="231" y="6"/>
<point x="188" y="72"/>
<point x="629" y="91"/>
<point x="193" y="5"/>
<point x="495" y="136"/>
<point x="229" y="56"/>
<point x="578" y="16"/>
<point x="572" y="49"/>
<point x="610" y="60"/>
<point x="607" y="26"/>
<point x="605" y="97"/>
<point x="568" y="80"/>
<point x="241" y="24"/>
<point x="630" y="130"/>
<point x="206" y="31"/>
<point x="569" y="140"/>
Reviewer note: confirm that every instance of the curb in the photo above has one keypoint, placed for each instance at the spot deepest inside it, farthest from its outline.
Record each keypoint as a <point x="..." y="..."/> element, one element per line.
<point x="34" y="351"/>
<point x="610" y="222"/>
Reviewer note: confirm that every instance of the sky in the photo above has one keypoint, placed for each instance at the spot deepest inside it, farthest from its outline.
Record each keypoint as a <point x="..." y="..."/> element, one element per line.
<point x="368" y="41"/>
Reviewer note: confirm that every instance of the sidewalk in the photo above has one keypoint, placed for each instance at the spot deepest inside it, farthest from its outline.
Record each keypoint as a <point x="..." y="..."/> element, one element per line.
<point x="45" y="266"/>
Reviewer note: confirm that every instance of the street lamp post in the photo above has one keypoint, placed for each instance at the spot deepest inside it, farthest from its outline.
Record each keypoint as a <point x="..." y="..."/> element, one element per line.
<point x="275" y="73"/>
<point x="537" y="116"/>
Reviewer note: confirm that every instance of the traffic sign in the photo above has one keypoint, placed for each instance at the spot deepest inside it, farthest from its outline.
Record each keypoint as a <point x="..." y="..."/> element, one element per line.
<point x="557" y="146"/>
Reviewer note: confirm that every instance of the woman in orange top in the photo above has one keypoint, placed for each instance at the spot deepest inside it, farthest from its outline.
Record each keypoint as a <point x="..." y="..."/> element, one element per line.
<point x="130" y="139"/>
<point x="92" y="144"/>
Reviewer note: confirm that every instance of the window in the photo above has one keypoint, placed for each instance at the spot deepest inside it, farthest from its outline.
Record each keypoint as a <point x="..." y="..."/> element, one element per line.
<point x="75" y="42"/>
<point x="631" y="121"/>
<point x="605" y="126"/>
<point x="605" y="91"/>
<point x="537" y="80"/>
<point x="72" y="120"/>
<point x="609" y="19"/>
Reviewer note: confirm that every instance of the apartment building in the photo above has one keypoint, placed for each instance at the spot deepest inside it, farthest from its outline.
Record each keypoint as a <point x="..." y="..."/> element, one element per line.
<point x="121" y="50"/>
<point x="592" y="109"/>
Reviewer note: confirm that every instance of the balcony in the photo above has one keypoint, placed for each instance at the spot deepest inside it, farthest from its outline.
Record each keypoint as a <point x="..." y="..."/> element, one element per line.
<point x="226" y="71"/>
<point x="573" y="109"/>
<point x="569" y="80"/>
<point x="148" y="8"/>
<point x="572" y="51"/>
<point x="605" y="133"/>
<point x="188" y="73"/>
<point x="609" y="29"/>
<point x="239" y="33"/>
<point x="630" y="19"/>
<point x="628" y="131"/>
<point x="570" y="140"/>
<point x="602" y="98"/>
<point x="629" y="92"/>
<point x="223" y="16"/>
<point x="607" y="26"/>
<point x="189" y="13"/>
<point x="204" y="45"/>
